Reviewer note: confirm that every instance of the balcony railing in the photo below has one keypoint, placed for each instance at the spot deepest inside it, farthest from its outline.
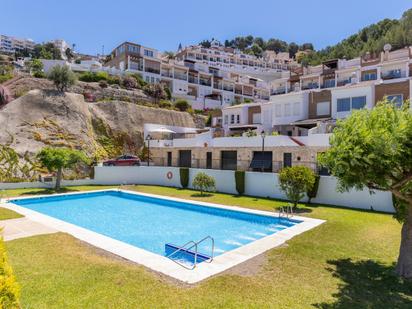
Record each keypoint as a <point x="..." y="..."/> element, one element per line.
<point x="280" y="90"/>
<point x="167" y="74"/>
<point x="205" y="82"/>
<point x="193" y="80"/>
<point x="228" y="88"/>
<point x="180" y="76"/>
<point x="217" y="86"/>
<point x="343" y="82"/>
<point x="151" y="70"/>
<point x="310" y="86"/>
<point x="393" y="74"/>
<point x="238" y="91"/>
<point x="328" y="83"/>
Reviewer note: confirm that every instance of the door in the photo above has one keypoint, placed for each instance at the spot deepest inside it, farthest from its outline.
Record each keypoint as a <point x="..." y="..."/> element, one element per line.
<point x="209" y="160"/>
<point x="228" y="160"/>
<point x="287" y="159"/>
<point x="185" y="158"/>
<point x="169" y="158"/>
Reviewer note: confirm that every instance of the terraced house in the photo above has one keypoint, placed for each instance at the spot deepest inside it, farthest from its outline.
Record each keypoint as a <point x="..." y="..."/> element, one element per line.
<point x="212" y="77"/>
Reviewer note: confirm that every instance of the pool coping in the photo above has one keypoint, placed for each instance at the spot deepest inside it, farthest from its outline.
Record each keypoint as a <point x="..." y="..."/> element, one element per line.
<point x="161" y="263"/>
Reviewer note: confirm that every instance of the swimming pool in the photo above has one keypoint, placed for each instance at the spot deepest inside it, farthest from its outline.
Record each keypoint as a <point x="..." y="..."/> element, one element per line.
<point x="151" y="222"/>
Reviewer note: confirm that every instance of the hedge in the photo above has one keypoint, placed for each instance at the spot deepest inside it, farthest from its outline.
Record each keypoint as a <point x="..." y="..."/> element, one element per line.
<point x="9" y="288"/>
<point x="312" y="193"/>
<point x="240" y="182"/>
<point x="184" y="176"/>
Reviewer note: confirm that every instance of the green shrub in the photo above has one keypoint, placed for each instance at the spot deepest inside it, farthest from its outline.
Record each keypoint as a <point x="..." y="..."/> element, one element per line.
<point x="114" y="80"/>
<point x="165" y="104"/>
<point x="101" y="76"/>
<point x="90" y="77"/>
<point x="182" y="105"/>
<point x="295" y="181"/>
<point x="184" y="176"/>
<point x="314" y="191"/>
<point x="168" y="93"/>
<point x="204" y="182"/>
<point x="240" y="181"/>
<point x="139" y="79"/>
<point x="62" y="77"/>
<point x="9" y="288"/>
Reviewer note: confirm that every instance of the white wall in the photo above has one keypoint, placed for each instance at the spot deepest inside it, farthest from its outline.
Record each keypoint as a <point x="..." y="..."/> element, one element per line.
<point x="289" y="99"/>
<point x="37" y="184"/>
<point x="350" y="92"/>
<point x="256" y="184"/>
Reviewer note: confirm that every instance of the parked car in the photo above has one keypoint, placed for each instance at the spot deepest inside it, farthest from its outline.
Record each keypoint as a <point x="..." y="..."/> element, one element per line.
<point x="125" y="160"/>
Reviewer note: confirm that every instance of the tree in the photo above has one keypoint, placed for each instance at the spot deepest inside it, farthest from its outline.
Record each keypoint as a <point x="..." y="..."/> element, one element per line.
<point x="204" y="182"/>
<point x="56" y="159"/>
<point x="69" y="54"/>
<point x="46" y="51"/>
<point x="373" y="148"/>
<point x="36" y="68"/>
<point x="205" y="44"/>
<point x="62" y="77"/>
<point x="169" y="55"/>
<point x="156" y="91"/>
<point x="295" y="181"/>
<point x="293" y="48"/>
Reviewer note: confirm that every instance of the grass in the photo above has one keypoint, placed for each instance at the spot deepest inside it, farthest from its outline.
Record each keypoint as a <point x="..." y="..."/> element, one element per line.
<point x="6" y="214"/>
<point x="347" y="262"/>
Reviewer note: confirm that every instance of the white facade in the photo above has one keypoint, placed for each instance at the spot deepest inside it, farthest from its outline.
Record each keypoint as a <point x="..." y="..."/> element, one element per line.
<point x="285" y="109"/>
<point x="347" y="99"/>
<point x="11" y="44"/>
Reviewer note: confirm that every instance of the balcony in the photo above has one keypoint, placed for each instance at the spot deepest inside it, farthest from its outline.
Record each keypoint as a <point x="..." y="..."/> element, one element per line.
<point x="217" y="86"/>
<point x="152" y="70"/>
<point x="310" y="86"/>
<point x="392" y="74"/>
<point x="279" y="90"/>
<point x="180" y="76"/>
<point x="329" y="83"/>
<point x="193" y="80"/>
<point x="167" y="74"/>
<point x="204" y="82"/>
<point x="228" y="88"/>
<point x="238" y="91"/>
<point x="344" y="82"/>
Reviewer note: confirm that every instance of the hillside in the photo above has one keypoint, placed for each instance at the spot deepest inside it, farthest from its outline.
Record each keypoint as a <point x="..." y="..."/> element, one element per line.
<point x="397" y="32"/>
<point x="102" y="129"/>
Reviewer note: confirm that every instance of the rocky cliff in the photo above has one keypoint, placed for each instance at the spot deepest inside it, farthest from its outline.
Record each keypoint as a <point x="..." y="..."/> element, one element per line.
<point x="102" y="129"/>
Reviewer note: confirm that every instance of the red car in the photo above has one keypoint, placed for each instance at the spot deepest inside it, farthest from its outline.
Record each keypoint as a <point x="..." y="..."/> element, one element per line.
<point x="124" y="160"/>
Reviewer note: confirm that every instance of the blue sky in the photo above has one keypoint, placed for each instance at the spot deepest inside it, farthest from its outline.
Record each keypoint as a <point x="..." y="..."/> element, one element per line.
<point x="164" y="24"/>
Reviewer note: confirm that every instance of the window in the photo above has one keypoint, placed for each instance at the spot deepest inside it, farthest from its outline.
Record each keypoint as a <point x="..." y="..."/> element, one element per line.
<point x="322" y="108"/>
<point x="237" y="118"/>
<point x="358" y="102"/>
<point x="396" y="99"/>
<point x="148" y="79"/>
<point x="256" y="118"/>
<point x="343" y="105"/>
<point x="369" y="76"/>
<point x="232" y="118"/>
<point x="228" y="160"/>
<point x="148" y="53"/>
<point x="226" y="119"/>
<point x="296" y="109"/>
<point x="288" y="109"/>
<point x="278" y="110"/>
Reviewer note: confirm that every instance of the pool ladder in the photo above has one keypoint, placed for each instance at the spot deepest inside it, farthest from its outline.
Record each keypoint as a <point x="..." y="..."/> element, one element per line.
<point x="194" y="244"/>
<point x="286" y="211"/>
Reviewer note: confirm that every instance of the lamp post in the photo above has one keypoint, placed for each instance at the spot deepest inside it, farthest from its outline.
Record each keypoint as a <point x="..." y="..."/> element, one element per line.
<point x="262" y="134"/>
<point x="148" y="138"/>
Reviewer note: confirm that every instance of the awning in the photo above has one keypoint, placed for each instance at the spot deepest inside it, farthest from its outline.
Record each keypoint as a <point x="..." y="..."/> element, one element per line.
<point x="261" y="160"/>
<point x="310" y="122"/>
<point x="162" y="130"/>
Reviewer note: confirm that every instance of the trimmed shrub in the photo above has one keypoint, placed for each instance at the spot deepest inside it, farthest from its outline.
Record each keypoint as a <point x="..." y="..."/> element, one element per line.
<point x="295" y="181"/>
<point x="165" y="104"/>
<point x="203" y="182"/>
<point x="314" y="191"/>
<point x="62" y="77"/>
<point x="240" y="181"/>
<point x="184" y="177"/>
<point x="182" y="105"/>
<point x="9" y="288"/>
<point x="90" y="77"/>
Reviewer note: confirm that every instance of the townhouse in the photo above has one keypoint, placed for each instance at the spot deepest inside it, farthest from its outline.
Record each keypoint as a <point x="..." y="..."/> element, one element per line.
<point x="207" y="77"/>
<point x="310" y="99"/>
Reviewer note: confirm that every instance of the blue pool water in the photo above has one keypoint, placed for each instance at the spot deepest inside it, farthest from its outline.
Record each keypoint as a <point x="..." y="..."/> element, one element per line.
<point x="150" y="223"/>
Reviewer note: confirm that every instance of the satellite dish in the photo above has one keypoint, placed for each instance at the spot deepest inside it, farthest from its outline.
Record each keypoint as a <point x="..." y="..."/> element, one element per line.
<point x="387" y="47"/>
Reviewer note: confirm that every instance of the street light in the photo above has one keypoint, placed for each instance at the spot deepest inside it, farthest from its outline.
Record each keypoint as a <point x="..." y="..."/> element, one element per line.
<point x="262" y="134"/>
<point x="148" y="138"/>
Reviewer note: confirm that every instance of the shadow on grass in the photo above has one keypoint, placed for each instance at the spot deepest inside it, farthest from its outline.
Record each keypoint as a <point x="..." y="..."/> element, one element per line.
<point x="49" y="191"/>
<point x="201" y="195"/>
<point x="368" y="284"/>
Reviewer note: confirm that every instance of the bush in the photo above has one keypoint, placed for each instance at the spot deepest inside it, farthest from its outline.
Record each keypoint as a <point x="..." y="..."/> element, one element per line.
<point x="62" y="77"/>
<point x="184" y="177"/>
<point x="103" y="84"/>
<point x="165" y="104"/>
<point x="139" y="79"/>
<point x="129" y="82"/>
<point x="168" y="93"/>
<point x="314" y="191"/>
<point x="114" y="80"/>
<point x="6" y="73"/>
<point x="182" y="105"/>
<point x="9" y="288"/>
<point x="295" y="181"/>
<point x="90" y="77"/>
<point x="156" y="91"/>
<point x="240" y="182"/>
<point x="204" y="182"/>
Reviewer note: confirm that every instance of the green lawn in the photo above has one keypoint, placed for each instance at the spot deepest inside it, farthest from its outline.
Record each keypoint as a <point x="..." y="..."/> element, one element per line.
<point x="6" y="214"/>
<point x="345" y="263"/>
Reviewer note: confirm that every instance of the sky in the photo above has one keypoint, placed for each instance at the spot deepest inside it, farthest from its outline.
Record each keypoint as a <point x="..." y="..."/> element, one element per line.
<point x="164" y="24"/>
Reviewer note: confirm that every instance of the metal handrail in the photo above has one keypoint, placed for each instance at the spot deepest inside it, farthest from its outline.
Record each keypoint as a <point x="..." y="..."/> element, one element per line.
<point x="286" y="211"/>
<point x="195" y="245"/>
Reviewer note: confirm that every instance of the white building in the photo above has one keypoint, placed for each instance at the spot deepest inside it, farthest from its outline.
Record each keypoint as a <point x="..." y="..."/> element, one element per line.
<point x="11" y="44"/>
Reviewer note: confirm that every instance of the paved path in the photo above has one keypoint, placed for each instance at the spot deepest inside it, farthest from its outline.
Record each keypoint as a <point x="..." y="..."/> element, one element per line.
<point x="23" y="227"/>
